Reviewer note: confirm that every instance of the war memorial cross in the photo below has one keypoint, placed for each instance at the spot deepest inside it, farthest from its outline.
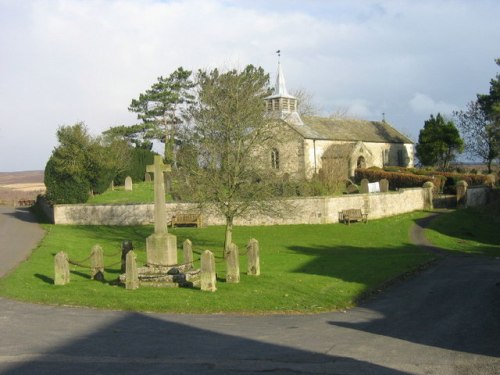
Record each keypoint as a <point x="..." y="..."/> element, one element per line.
<point x="160" y="215"/>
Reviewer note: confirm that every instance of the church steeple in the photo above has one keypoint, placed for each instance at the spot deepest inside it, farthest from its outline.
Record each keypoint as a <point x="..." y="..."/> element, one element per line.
<point x="281" y="104"/>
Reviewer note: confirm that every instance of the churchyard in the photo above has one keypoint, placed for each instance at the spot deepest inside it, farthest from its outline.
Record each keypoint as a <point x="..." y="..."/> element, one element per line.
<point x="304" y="268"/>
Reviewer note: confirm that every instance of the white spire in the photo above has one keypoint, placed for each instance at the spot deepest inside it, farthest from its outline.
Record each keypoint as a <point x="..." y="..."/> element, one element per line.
<point x="280" y="87"/>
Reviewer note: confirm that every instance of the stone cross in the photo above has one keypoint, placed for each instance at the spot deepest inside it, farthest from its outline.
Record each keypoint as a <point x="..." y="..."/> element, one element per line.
<point x="160" y="215"/>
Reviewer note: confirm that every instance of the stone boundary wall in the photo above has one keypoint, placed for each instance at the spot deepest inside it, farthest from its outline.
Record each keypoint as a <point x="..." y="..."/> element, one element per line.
<point x="312" y="210"/>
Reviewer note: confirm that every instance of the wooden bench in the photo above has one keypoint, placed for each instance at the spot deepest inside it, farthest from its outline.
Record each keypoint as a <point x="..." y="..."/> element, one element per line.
<point x="186" y="220"/>
<point x="353" y="214"/>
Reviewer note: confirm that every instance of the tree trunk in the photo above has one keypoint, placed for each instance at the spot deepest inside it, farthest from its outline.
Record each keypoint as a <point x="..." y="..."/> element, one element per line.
<point x="228" y="239"/>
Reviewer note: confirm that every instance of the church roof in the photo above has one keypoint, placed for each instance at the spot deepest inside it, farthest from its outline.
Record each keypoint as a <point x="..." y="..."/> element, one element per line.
<point x="315" y="127"/>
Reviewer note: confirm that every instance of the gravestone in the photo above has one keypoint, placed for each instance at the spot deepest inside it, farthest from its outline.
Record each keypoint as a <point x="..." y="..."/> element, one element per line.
<point x="253" y="258"/>
<point x="461" y="193"/>
<point x="352" y="189"/>
<point x="131" y="274"/>
<point x="232" y="264"/>
<point x="61" y="269"/>
<point x="97" y="263"/>
<point x="128" y="183"/>
<point x="491" y="180"/>
<point x="364" y="186"/>
<point x="112" y="185"/>
<point x="126" y="247"/>
<point x="208" y="278"/>
<point x="187" y="248"/>
<point x="161" y="246"/>
<point x="384" y="185"/>
<point x="147" y="177"/>
<point x="428" y="198"/>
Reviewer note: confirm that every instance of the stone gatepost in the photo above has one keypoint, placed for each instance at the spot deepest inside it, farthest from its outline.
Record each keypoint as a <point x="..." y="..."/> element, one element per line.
<point x="461" y="193"/>
<point x="208" y="278"/>
<point x="232" y="264"/>
<point x="97" y="263"/>
<point x="187" y="249"/>
<point x="364" y="186"/>
<point x="128" y="183"/>
<point x="384" y="185"/>
<point x="126" y="247"/>
<point x="428" y="188"/>
<point x="131" y="275"/>
<point x="253" y="257"/>
<point x="161" y="246"/>
<point x="61" y="269"/>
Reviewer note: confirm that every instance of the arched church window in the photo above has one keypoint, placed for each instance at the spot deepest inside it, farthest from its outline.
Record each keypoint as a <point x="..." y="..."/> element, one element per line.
<point x="275" y="159"/>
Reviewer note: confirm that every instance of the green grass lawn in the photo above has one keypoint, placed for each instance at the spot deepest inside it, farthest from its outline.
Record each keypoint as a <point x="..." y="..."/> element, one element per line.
<point x="305" y="268"/>
<point x="473" y="230"/>
<point x="142" y="192"/>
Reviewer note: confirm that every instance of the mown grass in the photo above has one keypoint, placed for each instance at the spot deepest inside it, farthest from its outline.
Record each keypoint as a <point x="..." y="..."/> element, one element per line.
<point x="474" y="230"/>
<point x="305" y="268"/>
<point x="142" y="192"/>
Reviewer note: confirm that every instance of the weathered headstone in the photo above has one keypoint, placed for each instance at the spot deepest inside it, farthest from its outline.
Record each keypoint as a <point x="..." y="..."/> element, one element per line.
<point x="428" y="195"/>
<point x="253" y="257"/>
<point x="352" y="189"/>
<point x="112" y="185"/>
<point x="128" y="183"/>
<point x="126" y="247"/>
<point x="161" y="246"/>
<point x="461" y="193"/>
<point x="147" y="177"/>
<point x="97" y="263"/>
<point x="61" y="269"/>
<point x="384" y="185"/>
<point x="364" y="186"/>
<point x="232" y="264"/>
<point x="208" y="278"/>
<point x="187" y="249"/>
<point x="131" y="275"/>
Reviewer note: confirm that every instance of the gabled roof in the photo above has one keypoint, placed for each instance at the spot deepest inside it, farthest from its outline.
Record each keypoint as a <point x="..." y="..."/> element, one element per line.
<point x="349" y="130"/>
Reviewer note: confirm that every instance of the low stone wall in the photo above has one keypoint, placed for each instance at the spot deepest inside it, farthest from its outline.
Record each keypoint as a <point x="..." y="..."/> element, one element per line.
<point x="312" y="210"/>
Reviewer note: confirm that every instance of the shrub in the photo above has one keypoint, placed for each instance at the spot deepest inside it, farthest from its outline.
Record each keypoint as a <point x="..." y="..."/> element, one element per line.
<point x="63" y="188"/>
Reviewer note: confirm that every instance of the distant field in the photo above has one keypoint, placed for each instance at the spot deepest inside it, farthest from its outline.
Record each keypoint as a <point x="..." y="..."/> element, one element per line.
<point x="15" y="186"/>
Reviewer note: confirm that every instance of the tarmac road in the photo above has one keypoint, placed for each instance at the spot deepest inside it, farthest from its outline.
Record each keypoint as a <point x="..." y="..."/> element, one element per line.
<point x="446" y="320"/>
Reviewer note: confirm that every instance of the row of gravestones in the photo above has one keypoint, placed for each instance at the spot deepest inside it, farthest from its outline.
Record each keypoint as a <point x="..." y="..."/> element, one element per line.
<point x="129" y="265"/>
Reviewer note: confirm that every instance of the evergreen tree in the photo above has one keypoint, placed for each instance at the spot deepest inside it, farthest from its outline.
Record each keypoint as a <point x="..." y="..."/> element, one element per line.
<point x="438" y="142"/>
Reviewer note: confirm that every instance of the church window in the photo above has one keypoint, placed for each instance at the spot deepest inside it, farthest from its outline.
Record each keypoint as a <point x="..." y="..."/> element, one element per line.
<point x="275" y="159"/>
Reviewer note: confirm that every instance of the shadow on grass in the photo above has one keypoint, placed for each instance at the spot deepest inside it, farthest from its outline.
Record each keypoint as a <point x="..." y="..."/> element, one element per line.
<point x="470" y="226"/>
<point x="45" y="279"/>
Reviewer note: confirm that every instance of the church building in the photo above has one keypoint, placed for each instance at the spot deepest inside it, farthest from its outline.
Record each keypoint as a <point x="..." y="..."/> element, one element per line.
<point x="323" y="145"/>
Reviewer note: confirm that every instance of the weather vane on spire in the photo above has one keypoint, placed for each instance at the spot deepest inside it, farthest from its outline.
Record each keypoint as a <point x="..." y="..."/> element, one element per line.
<point x="279" y="55"/>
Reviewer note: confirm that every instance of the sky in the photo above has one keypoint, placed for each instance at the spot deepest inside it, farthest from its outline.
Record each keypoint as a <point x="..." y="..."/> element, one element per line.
<point x="66" y="61"/>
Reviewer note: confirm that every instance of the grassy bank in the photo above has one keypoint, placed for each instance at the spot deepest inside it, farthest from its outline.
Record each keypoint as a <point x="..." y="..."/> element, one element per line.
<point x="305" y="268"/>
<point x="474" y="230"/>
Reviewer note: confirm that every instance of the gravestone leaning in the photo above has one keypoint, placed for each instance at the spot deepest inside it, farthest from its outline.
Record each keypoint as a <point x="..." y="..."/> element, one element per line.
<point x="161" y="246"/>
<point x="128" y="183"/>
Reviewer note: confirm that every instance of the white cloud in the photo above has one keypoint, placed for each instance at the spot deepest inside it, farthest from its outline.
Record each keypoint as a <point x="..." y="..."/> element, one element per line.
<point x="424" y="104"/>
<point x="70" y="60"/>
